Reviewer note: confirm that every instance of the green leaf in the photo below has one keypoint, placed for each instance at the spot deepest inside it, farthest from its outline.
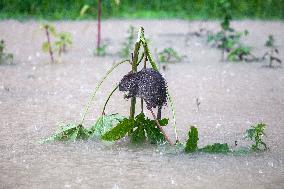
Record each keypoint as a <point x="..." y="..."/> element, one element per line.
<point x="119" y="131"/>
<point x="138" y="136"/>
<point x="255" y="134"/>
<point x="84" y="10"/>
<point x="45" y="47"/>
<point x="104" y="123"/>
<point x="70" y="132"/>
<point x="216" y="148"/>
<point x="191" y="143"/>
<point x="154" y="134"/>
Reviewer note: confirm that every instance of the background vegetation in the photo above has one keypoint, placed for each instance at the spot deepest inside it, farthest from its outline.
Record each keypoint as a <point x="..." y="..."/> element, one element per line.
<point x="186" y="9"/>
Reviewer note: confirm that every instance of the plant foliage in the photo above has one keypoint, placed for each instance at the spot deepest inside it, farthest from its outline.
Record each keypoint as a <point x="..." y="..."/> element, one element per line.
<point x="140" y="129"/>
<point x="70" y="132"/>
<point x="272" y="51"/>
<point x="191" y="143"/>
<point x="105" y="123"/>
<point x="5" y="57"/>
<point x="255" y="134"/>
<point x="169" y="55"/>
<point x="216" y="148"/>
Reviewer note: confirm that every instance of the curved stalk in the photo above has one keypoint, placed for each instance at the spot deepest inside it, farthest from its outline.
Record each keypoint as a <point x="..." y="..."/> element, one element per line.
<point x="97" y="88"/>
<point x="103" y="112"/>
<point x="174" y="114"/>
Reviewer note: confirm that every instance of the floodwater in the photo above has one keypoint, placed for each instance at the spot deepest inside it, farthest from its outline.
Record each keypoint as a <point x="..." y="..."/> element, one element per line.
<point x="35" y="96"/>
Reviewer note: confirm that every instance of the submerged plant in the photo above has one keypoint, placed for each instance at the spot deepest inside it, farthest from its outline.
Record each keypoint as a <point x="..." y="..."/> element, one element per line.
<point x="255" y="134"/>
<point x="192" y="144"/>
<point x="5" y="57"/>
<point x="169" y="55"/>
<point x="138" y="128"/>
<point x="62" y="41"/>
<point x="101" y="50"/>
<point x="272" y="52"/>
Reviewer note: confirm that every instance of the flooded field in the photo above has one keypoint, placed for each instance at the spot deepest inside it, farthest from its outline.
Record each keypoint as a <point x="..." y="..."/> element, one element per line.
<point x="36" y="96"/>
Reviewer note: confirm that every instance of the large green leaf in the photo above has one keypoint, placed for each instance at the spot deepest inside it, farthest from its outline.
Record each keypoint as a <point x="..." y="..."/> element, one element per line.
<point x="154" y="134"/>
<point x="104" y="123"/>
<point x="69" y="132"/>
<point x="191" y="143"/>
<point x="119" y="131"/>
<point x="216" y="148"/>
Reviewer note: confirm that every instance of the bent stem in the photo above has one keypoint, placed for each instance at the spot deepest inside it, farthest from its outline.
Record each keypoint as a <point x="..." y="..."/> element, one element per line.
<point x="116" y="87"/>
<point x="97" y="88"/>
<point x="160" y="127"/>
<point x="174" y="115"/>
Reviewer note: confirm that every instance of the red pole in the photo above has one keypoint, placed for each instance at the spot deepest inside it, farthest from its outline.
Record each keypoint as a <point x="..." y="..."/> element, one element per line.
<point x="99" y="24"/>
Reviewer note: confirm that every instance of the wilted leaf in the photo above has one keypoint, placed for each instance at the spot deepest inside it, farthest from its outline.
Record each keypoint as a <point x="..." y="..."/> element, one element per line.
<point x="216" y="148"/>
<point x="70" y="132"/>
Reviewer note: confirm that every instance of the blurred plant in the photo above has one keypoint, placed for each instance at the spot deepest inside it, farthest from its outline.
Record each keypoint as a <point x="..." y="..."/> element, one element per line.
<point x="47" y="46"/>
<point x="128" y="44"/>
<point x="228" y="40"/>
<point x="63" y="40"/>
<point x="5" y="57"/>
<point x="241" y="53"/>
<point x="169" y="55"/>
<point x="272" y="52"/>
<point x="255" y="134"/>
<point x="101" y="51"/>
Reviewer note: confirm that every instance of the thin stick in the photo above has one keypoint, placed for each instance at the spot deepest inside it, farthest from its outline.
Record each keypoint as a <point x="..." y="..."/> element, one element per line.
<point x="49" y="44"/>
<point x="160" y="127"/>
<point x="97" y="88"/>
<point x="104" y="108"/>
<point x="99" y="24"/>
<point x="174" y="114"/>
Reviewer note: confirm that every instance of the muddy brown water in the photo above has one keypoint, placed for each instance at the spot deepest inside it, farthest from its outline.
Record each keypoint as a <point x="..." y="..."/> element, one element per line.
<point x="35" y="96"/>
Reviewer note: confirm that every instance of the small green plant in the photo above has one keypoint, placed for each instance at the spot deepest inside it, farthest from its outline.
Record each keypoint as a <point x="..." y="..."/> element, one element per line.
<point x="128" y="44"/>
<point x="192" y="144"/>
<point x="5" y="57"/>
<point x="229" y="40"/>
<point x="255" y="134"/>
<point x="62" y="41"/>
<point x="272" y="52"/>
<point x="101" y="50"/>
<point x="169" y="55"/>
<point x="240" y="53"/>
